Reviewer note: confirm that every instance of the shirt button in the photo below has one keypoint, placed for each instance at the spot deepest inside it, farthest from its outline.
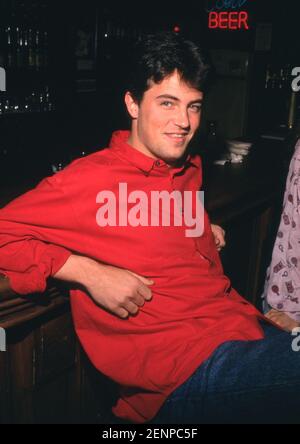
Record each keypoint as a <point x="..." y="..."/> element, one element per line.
<point x="157" y="163"/>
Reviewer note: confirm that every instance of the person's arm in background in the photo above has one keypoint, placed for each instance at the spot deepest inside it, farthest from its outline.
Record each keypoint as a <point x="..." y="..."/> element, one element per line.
<point x="282" y="319"/>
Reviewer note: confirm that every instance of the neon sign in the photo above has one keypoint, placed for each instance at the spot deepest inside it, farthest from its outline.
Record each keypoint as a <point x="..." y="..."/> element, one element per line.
<point x="221" y="14"/>
<point x="221" y="5"/>
<point x="228" y="20"/>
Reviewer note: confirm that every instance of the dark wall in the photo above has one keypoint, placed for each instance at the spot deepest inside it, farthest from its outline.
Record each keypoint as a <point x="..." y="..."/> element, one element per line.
<point x="83" y="121"/>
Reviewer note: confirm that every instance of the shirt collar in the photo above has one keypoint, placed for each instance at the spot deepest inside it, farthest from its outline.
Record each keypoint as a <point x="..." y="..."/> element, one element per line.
<point x="119" y="143"/>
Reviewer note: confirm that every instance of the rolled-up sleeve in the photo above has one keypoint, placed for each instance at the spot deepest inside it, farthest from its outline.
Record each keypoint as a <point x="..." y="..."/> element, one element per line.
<point x="35" y="234"/>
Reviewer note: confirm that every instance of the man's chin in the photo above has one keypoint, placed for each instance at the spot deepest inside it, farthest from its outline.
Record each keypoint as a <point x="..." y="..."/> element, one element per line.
<point x="174" y="156"/>
<point x="175" y="161"/>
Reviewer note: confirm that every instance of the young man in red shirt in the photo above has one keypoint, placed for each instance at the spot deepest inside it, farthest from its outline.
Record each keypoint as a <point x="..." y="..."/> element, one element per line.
<point x="154" y="311"/>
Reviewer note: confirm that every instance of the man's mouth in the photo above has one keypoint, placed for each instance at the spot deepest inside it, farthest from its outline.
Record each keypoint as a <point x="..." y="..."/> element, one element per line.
<point x="178" y="136"/>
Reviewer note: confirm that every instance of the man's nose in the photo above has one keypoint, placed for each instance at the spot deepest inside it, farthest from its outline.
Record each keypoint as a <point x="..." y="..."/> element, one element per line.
<point x="182" y="119"/>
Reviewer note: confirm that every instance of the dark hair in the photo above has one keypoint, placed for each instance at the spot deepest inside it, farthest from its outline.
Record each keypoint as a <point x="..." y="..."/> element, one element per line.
<point x="157" y="56"/>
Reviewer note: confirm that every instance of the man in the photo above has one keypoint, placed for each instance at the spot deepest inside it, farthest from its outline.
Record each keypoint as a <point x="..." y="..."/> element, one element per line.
<point x="153" y="308"/>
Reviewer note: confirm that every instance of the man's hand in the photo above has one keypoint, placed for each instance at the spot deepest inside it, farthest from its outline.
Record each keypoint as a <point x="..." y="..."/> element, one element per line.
<point x="282" y="319"/>
<point x="119" y="291"/>
<point x="219" y="235"/>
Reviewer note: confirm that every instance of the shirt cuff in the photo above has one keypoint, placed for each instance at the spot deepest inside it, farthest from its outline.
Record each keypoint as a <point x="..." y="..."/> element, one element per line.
<point x="34" y="280"/>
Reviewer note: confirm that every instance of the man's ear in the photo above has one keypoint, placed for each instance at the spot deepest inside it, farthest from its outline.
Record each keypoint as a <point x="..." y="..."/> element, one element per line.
<point x="131" y="105"/>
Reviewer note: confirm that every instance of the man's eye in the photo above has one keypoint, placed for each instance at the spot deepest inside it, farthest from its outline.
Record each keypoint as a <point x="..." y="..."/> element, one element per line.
<point x="167" y="104"/>
<point x="196" y="107"/>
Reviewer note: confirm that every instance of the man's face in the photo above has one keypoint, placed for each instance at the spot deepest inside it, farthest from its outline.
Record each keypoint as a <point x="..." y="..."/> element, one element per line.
<point x="166" y="119"/>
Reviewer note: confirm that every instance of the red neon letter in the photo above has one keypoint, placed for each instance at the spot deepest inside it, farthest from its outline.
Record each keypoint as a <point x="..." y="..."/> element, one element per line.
<point x="213" y="20"/>
<point x="243" y="18"/>
<point x="233" y="20"/>
<point x="223" y="20"/>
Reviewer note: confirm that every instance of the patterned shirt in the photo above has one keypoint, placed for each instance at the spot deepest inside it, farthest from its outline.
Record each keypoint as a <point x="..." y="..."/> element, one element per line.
<point x="282" y="287"/>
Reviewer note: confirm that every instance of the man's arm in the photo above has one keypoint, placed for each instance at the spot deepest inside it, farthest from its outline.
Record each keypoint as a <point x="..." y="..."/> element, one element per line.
<point x="33" y="232"/>
<point x="119" y="291"/>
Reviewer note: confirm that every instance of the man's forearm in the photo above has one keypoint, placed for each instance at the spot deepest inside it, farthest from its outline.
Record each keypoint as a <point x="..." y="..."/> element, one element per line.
<point x="119" y="291"/>
<point x="79" y="270"/>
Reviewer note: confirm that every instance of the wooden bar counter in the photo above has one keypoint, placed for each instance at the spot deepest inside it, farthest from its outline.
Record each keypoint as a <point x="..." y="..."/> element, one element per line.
<point x="44" y="375"/>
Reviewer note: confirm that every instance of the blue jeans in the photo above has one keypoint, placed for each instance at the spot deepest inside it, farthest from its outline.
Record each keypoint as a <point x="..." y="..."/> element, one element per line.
<point x="242" y="382"/>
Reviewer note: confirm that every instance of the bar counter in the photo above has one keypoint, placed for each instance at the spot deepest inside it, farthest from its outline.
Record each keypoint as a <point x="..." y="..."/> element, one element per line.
<point x="46" y="378"/>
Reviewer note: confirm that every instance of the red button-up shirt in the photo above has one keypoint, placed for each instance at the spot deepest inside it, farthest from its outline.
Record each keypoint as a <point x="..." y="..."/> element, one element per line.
<point x="193" y="309"/>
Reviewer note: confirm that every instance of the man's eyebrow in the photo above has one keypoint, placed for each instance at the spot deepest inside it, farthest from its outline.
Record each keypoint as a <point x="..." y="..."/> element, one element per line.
<point x="200" y="100"/>
<point x="169" y="96"/>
